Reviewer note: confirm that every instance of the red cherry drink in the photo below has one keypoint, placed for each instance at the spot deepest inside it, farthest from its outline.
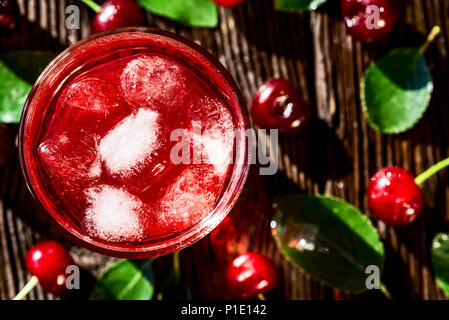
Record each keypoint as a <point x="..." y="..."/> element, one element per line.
<point x="128" y="142"/>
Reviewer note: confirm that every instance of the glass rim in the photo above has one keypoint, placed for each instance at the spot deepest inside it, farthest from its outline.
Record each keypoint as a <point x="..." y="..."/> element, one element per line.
<point x="194" y="233"/>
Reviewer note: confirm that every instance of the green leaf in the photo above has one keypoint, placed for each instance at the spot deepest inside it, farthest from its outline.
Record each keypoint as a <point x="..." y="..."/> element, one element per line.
<point x="329" y="239"/>
<point x="298" y="5"/>
<point x="440" y="260"/>
<point x="195" y="13"/>
<point x="125" y="280"/>
<point x="18" y="72"/>
<point x="396" y="90"/>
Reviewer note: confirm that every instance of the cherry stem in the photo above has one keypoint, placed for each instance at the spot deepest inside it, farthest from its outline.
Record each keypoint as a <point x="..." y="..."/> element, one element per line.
<point x="261" y="296"/>
<point x="432" y="35"/>
<point x="28" y="287"/>
<point x="432" y="170"/>
<point x="176" y="263"/>
<point x="93" y="5"/>
<point x="385" y="291"/>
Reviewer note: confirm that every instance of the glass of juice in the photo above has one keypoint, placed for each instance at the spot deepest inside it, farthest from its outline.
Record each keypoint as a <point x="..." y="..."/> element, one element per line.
<point x="129" y="141"/>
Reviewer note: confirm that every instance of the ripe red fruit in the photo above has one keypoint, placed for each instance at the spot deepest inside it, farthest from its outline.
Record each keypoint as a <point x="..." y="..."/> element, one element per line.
<point x="394" y="197"/>
<point x="117" y="14"/>
<point x="9" y="12"/>
<point x="277" y="104"/>
<point x="48" y="261"/>
<point x="369" y="20"/>
<point x="251" y="274"/>
<point x="228" y="3"/>
<point x="6" y="145"/>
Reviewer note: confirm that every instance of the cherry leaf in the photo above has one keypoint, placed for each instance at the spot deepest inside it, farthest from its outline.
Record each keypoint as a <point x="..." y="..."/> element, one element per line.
<point x="328" y="239"/>
<point x="125" y="280"/>
<point x="396" y="90"/>
<point x="440" y="260"/>
<point x="298" y="5"/>
<point x="18" y="71"/>
<point x="195" y="13"/>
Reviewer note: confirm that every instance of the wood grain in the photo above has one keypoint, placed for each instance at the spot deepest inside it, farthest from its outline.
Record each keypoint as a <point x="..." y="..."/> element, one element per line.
<point x="335" y="154"/>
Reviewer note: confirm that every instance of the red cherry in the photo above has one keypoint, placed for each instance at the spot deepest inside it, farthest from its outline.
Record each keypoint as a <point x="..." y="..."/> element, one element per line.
<point x="394" y="197"/>
<point x="360" y="18"/>
<point x="251" y="274"/>
<point x="228" y="3"/>
<point x="117" y="14"/>
<point x="277" y="104"/>
<point x="48" y="261"/>
<point x="6" y="145"/>
<point x="9" y="12"/>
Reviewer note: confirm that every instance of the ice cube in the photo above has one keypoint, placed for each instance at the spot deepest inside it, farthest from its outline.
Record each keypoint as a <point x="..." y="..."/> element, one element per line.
<point x="71" y="157"/>
<point x="218" y="136"/>
<point x="115" y="215"/>
<point x="92" y="99"/>
<point x="91" y="94"/>
<point x="189" y="199"/>
<point x="154" y="82"/>
<point x="127" y="147"/>
<point x="217" y="149"/>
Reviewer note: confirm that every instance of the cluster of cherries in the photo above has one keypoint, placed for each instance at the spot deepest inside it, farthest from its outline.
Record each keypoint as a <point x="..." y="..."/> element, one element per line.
<point x="277" y="104"/>
<point x="248" y="276"/>
<point x="394" y="195"/>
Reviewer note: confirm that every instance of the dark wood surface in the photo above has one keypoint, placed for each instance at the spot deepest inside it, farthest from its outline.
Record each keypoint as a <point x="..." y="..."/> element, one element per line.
<point x="336" y="154"/>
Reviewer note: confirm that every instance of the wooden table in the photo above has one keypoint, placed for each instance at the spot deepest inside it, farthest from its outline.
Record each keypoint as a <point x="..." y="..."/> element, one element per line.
<point x="336" y="154"/>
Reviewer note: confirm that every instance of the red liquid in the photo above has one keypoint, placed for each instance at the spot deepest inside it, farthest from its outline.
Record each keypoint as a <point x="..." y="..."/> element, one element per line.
<point x="102" y="150"/>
